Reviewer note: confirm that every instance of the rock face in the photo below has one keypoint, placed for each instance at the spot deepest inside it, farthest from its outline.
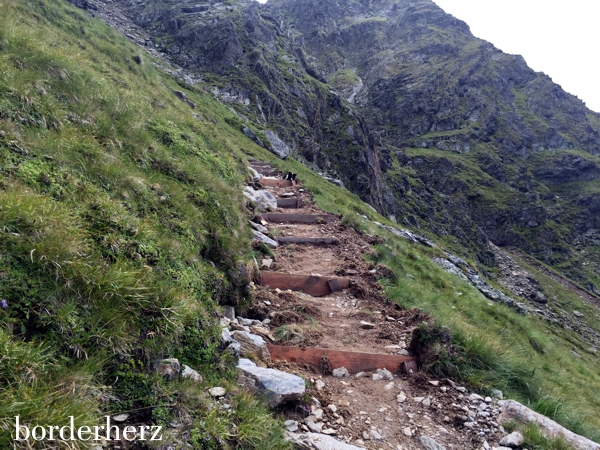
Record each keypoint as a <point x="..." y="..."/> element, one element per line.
<point x="514" y="411"/>
<point x="277" y="387"/>
<point x="398" y="102"/>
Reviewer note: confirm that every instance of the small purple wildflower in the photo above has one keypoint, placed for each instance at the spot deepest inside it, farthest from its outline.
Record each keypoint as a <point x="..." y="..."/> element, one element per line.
<point x="3" y="304"/>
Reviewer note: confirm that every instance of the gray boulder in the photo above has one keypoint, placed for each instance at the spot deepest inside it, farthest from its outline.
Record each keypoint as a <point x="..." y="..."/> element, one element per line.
<point x="512" y="440"/>
<point x="252" y="345"/>
<point x="317" y="441"/>
<point x="340" y="372"/>
<point x="265" y="200"/>
<point x="252" y="135"/>
<point x="192" y="374"/>
<point x="278" y="147"/>
<point x="275" y="386"/>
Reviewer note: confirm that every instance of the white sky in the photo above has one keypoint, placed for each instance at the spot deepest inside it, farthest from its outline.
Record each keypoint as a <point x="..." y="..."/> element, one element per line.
<point x="561" y="39"/>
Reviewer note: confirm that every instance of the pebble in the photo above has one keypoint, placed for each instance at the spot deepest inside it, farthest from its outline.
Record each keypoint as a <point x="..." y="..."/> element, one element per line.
<point x="340" y="372"/>
<point x="401" y="397"/>
<point x="366" y="325"/>
<point x="331" y="407"/>
<point x="291" y="425"/>
<point x="389" y="386"/>
<point x="319" y="385"/>
<point x="434" y="383"/>
<point x="407" y="431"/>
<point x="375" y="435"/>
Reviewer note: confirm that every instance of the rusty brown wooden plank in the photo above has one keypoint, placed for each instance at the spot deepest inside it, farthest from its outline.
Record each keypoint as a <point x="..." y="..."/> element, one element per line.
<point x="299" y="218"/>
<point x="287" y="203"/>
<point x="275" y="183"/>
<point x="353" y="361"/>
<point x="311" y="285"/>
<point x="334" y="285"/>
<point x="311" y="241"/>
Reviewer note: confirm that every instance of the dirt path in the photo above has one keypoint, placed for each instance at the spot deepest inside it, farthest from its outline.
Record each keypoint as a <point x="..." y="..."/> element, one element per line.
<point x="374" y="414"/>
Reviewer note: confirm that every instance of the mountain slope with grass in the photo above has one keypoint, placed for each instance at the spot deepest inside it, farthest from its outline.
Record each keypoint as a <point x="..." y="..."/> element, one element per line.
<point x="124" y="230"/>
<point x="427" y="123"/>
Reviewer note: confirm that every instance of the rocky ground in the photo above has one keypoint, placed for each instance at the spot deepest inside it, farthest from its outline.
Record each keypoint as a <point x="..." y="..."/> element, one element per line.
<point x="341" y="410"/>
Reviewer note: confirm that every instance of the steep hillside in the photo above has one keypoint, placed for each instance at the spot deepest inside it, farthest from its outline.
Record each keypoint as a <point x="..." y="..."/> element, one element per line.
<point x="124" y="227"/>
<point x="422" y="120"/>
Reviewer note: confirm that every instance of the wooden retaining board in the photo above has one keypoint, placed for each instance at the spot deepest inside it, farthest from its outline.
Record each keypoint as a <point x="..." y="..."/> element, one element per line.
<point x="311" y="285"/>
<point x="353" y="361"/>
<point x="275" y="183"/>
<point x="289" y="203"/>
<point x="311" y="241"/>
<point x="299" y="218"/>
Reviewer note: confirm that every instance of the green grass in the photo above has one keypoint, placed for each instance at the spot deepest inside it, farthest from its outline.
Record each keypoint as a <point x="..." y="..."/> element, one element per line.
<point x="123" y="228"/>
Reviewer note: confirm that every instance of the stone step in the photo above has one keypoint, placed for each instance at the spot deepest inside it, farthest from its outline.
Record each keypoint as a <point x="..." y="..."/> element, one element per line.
<point x="270" y="182"/>
<point x="319" y="242"/>
<point x="354" y="362"/>
<point x="298" y="218"/>
<point x="312" y="285"/>
<point x="289" y="203"/>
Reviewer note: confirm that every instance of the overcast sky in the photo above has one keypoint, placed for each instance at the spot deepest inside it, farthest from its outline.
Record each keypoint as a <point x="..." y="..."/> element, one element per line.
<point x="561" y="39"/>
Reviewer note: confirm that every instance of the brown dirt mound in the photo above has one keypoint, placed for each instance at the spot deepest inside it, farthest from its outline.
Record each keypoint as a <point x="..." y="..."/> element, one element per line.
<point x="285" y="317"/>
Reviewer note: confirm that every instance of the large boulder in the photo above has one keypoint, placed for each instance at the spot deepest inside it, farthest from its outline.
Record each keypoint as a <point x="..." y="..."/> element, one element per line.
<point x="258" y="236"/>
<point x="265" y="200"/>
<point x="511" y="410"/>
<point x="251" y="345"/>
<point x="275" y="386"/>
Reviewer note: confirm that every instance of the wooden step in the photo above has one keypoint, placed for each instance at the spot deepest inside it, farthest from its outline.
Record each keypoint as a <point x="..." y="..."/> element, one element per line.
<point x="311" y="241"/>
<point x="276" y="183"/>
<point x="289" y="203"/>
<point x="311" y="285"/>
<point x="298" y="218"/>
<point x="353" y="361"/>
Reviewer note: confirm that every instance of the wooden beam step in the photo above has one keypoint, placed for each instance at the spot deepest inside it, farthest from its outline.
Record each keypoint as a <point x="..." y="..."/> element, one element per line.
<point x="289" y="203"/>
<point x="311" y="241"/>
<point x="311" y="285"/>
<point x="353" y="361"/>
<point x="298" y="218"/>
<point x="275" y="183"/>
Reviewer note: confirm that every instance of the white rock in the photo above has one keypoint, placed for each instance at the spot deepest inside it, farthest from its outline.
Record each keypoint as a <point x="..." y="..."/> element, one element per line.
<point x="319" y="385"/>
<point x="120" y="417"/>
<point x="251" y="344"/>
<point x="401" y="397"/>
<point x="274" y="385"/>
<point x="513" y="440"/>
<point x="418" y="399"/>
<point x="291" y="425"/>
<point x="430" y="444"/>
<point x="318" y="414"/>
<point x="366" y="325"/>
<point x="258" y="236"/>
<point x="434" y="383"/>
<point x="217" y="391"/>
<point x="407" y="431"/>
<point x="427" y="402"/>
<point x="192" y="374"/>
<point x="385" y="374"/>
<point x="340" y="372"/>
<point x="331" y="407"/>
<point x="313" y="425"/>
<point x="265" y="200"/>
<point x="373" y="434"/>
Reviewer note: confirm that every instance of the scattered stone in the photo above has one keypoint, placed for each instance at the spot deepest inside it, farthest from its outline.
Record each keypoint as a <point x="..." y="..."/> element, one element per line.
<point x="383" y="374"/>
<point x="331" y="407"/>
<point x="430" y="444"/>
<point x="401" y="397"/>
<point x="276" y="386"/>
<point x="366" y="325"/>
<point x="328" y="431"/>
<point x="340" y="372"/>
<point x="373" y="434"/>
<point x="120" y="417"/>
<point x="263" y="332"/>
<point x="313" y="425"/>
<point x="434" y="383"/>
<point x="407" y="431"/>
<point x="252" y="345"/>
<point x="258" y="236"/>
<point x="318" y="414"/>
<point x="314" y="441"/>
<point x="427" y="402"/>
<point x="319" y="385"/>
<point x="578" y="314"/>
<point x="390" y="319"/>
<point x="488" y="400"/>
<point x="265" y="200"/>
<point x="513" y="440"/>
<point x="389" y="386"/>
<point x="192" y="374"/>
<point x="403" y="352"/>
<point x="258" y="227"/>
<point x="217" y="392"/>
<point x="267" y="262"/>
<point x="291" y="425"/>
<point x="168" y="368"/>
<point x="359" y="374"/>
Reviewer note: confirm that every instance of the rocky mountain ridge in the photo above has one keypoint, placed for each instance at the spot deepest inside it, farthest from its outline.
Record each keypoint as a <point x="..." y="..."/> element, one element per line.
<point x="435" y="128"/>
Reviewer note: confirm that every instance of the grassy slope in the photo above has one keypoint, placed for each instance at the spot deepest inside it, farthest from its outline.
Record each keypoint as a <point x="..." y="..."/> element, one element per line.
<point x="114" y="200"/>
